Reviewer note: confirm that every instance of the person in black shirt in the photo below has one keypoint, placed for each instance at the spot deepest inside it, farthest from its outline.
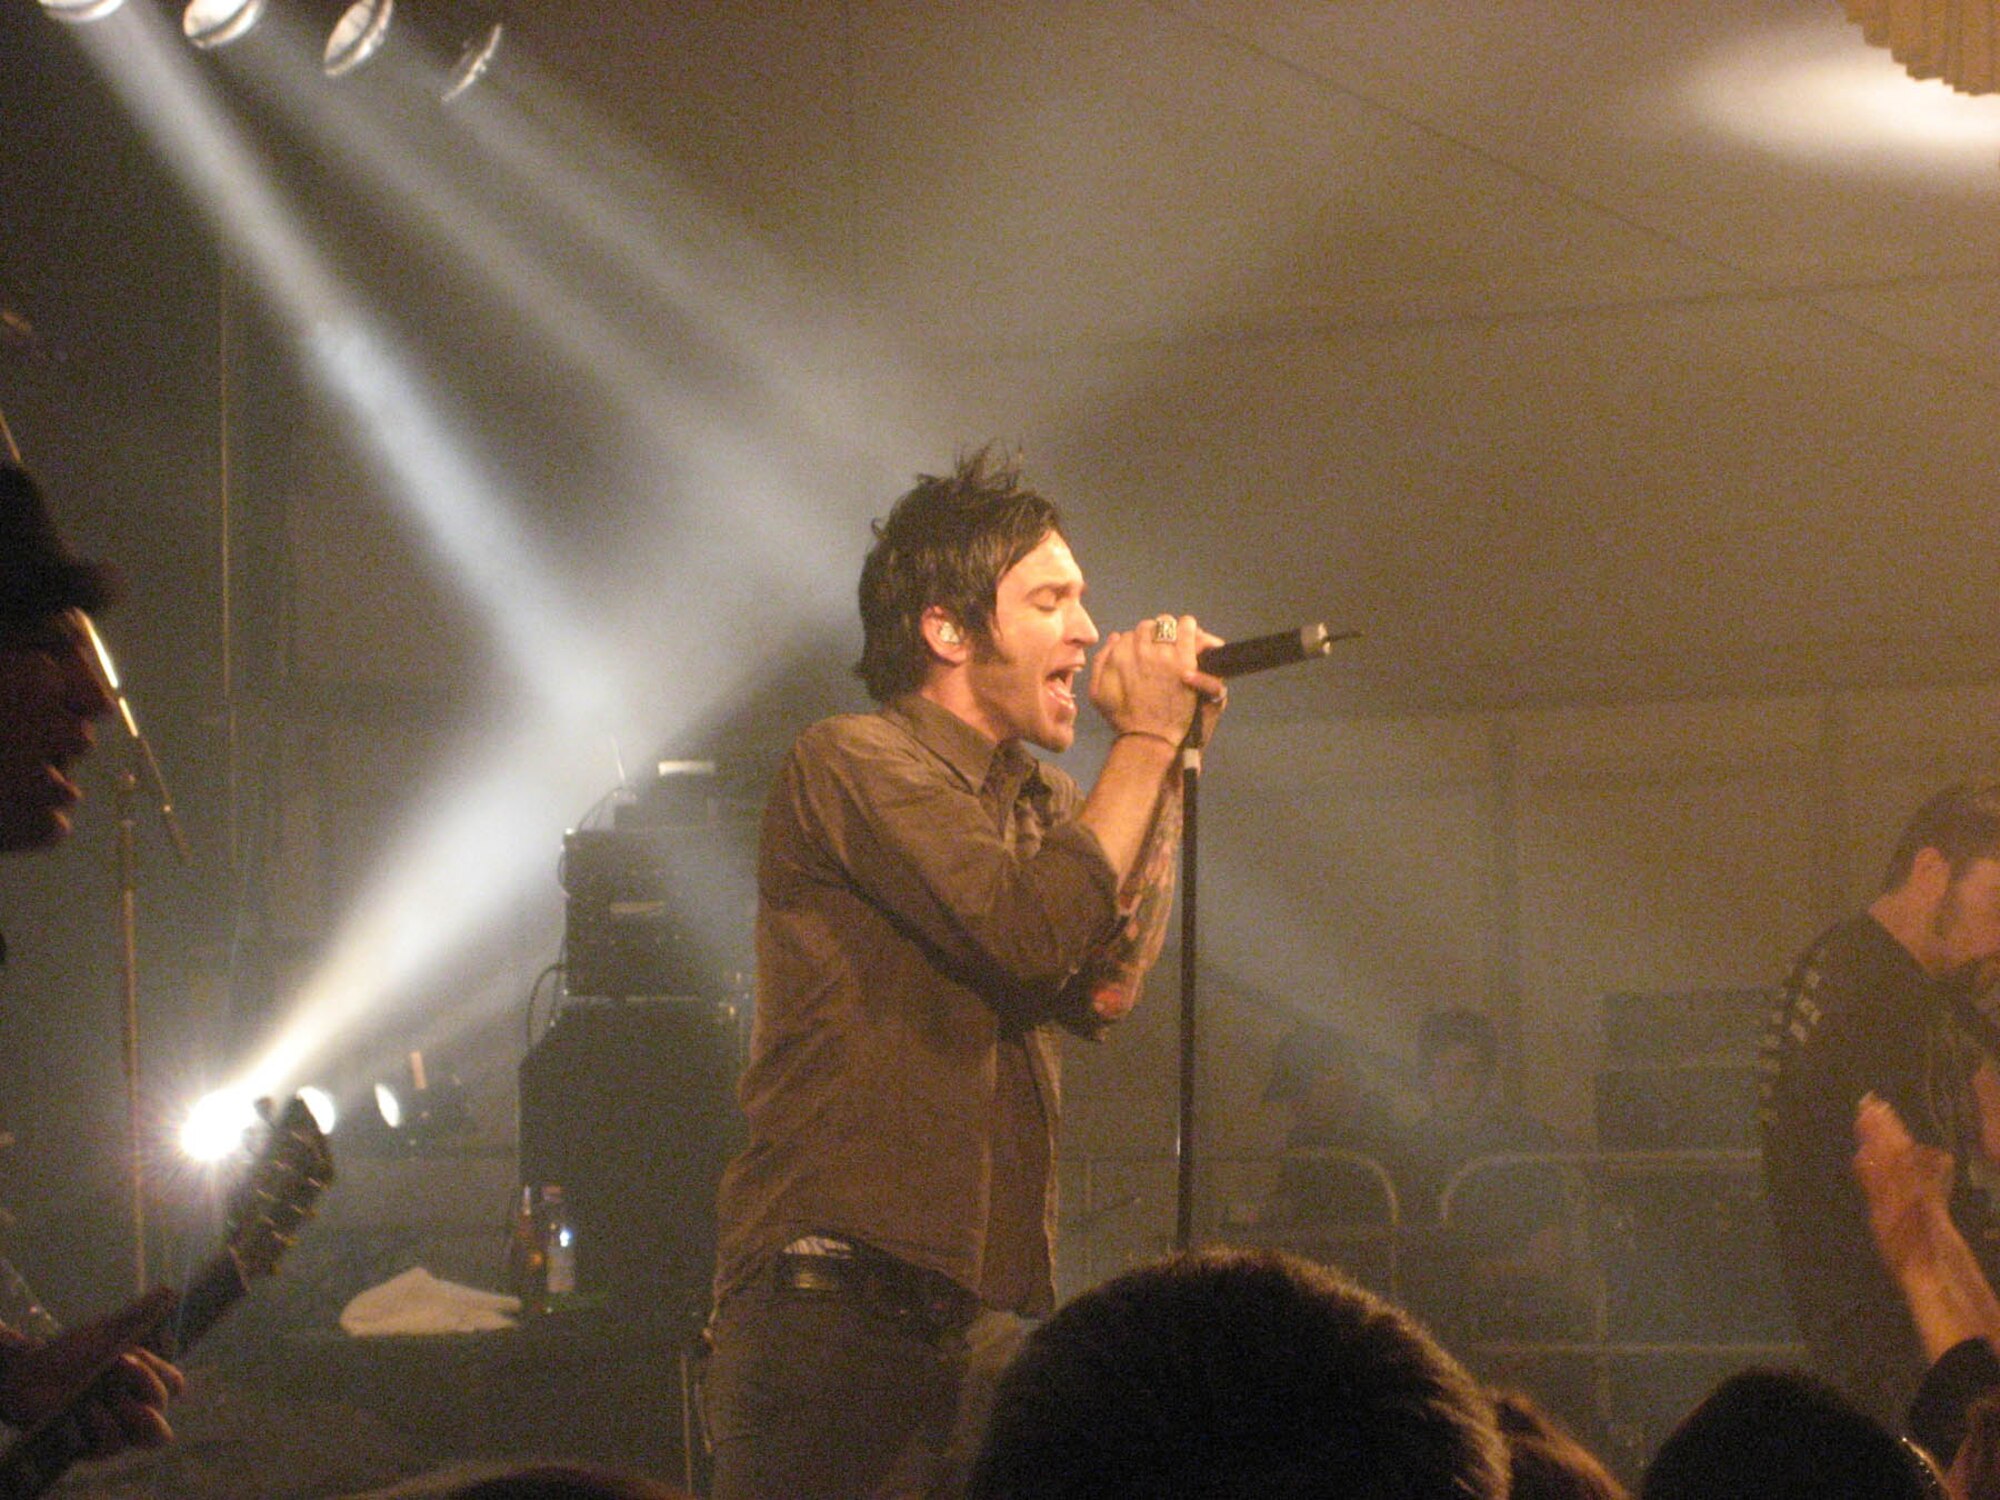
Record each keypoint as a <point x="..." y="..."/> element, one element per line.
<point x="1882" y="1003"/>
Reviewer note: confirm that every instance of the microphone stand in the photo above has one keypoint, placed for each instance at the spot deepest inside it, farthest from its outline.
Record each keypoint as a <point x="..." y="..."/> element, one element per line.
<point x="142" y="769"/>
<point x="1184" y="1134"/>
<point x="128" y="994"/>
<point x="1308" y="644"/>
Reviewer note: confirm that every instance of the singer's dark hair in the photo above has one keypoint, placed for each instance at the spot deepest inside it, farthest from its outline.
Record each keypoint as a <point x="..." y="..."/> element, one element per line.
<point x="1237" y="1373"/>
<point x="945" y="544"/>
<point x="1961" y="822"/>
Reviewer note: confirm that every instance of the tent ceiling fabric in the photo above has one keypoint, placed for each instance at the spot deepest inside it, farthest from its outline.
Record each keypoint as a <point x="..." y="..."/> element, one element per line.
<point x="1569" y="354"/>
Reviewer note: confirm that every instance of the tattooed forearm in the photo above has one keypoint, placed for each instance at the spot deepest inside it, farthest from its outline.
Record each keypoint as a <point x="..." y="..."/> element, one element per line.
<point x="1147" y="899"/>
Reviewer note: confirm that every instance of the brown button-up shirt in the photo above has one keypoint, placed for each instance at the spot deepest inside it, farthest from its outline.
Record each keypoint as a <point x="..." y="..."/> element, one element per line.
<point x="926" y="900"/>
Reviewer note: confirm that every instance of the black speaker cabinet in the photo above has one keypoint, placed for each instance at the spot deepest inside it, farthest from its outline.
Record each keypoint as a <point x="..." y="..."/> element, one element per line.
<point x="624" y="932"/>
<point x="1677" y="1108"/>
<point x="1679" y="1027"/>
<point x="630" y="1107"/>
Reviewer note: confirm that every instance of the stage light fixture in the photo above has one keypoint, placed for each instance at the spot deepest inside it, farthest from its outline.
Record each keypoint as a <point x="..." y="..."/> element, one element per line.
<point x="357" y="36"/>
<point x="474" y="60"/>
<point x="454" y="40"/>
<point x="217" y="23"/>
<point x="412" y="1114"/>
<point x="320" y="1104"/>
<point x="77" y="12"/>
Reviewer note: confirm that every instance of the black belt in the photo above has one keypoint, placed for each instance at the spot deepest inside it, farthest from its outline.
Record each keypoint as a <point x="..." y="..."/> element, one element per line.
<point x="927" y="1301"/>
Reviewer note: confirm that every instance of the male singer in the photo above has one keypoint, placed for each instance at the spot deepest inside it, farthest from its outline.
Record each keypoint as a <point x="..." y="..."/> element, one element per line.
<point x="933" y="901"/>
<point x="50" y="694"/>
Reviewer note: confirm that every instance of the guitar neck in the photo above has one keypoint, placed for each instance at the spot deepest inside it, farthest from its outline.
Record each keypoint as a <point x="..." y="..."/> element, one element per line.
<point x="275" y="1197"/>
<point x="216" y="1288"/>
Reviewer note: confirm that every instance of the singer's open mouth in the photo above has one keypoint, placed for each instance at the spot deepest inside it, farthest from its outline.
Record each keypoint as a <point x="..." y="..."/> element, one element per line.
<point x="1062" y="684"/>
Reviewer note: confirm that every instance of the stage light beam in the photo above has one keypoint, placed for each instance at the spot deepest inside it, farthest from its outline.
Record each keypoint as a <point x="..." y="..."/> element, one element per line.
<point x="471" y="871"/>
<point x="495" y="825"/>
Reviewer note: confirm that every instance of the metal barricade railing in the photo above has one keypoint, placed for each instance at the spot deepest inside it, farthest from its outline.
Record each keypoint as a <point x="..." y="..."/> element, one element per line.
<point x="1590" y="1183"/>
<point x="1587" y="1179"/>
<point x="1610" y="1192"/>
<point x="1379" y="1233"/>
<point x="1108" y="1197"/>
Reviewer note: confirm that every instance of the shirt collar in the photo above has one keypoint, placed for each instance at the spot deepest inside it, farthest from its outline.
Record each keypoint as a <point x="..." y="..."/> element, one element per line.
<point x="971" y="754"/>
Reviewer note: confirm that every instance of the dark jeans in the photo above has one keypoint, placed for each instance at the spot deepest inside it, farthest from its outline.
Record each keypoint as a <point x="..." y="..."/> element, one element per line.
<point x="812" y="1396"/>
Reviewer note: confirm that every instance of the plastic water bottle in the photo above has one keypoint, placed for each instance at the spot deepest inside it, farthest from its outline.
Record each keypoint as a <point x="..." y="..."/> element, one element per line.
<point x="558" y="1250"/>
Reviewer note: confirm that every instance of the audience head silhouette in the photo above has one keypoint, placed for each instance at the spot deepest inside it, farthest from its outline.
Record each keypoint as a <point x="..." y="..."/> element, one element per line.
<point x="1235" y="1372"/>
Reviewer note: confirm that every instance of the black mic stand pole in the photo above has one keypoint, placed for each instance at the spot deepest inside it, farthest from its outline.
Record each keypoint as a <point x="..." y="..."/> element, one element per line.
<point x="1184" y="1137"/>
<point x="128" y="994"/>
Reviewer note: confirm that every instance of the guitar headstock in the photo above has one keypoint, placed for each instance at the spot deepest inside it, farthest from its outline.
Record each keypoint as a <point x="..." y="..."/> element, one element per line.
<point x="280" y="1191"/>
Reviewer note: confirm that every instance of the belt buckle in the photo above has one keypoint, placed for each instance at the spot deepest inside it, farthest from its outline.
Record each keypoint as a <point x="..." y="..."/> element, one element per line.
<point x="816" y="1267"/>
<point x="814" y="1275"/>
<point x="893" y="1289"/>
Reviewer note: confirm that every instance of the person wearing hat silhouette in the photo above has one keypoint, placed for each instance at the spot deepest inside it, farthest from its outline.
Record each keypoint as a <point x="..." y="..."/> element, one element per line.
<point x="51" y="693"/>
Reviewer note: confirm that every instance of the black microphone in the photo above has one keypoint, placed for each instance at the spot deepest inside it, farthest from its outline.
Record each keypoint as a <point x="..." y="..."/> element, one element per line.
<point x="1260" y="652"/>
